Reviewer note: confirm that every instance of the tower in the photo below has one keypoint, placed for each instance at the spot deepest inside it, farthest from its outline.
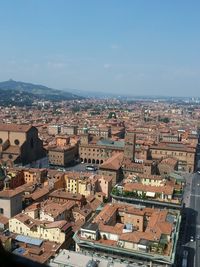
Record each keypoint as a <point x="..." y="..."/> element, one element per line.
<point x="7" y="181"/>
<point x="129" y="148"/>
<point x="84" y="138"/>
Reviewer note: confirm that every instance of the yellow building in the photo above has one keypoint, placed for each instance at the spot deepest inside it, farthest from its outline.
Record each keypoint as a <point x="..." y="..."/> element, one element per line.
<point x="72" y="183"/>
<point x="78" y="184"/>
<point x="85" y="188"/>
<point x="88" y="184"/>
<point x="24" y="225"/>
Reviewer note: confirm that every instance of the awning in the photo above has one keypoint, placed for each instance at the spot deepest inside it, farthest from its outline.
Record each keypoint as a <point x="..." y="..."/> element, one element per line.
<point x="150" y="194"/>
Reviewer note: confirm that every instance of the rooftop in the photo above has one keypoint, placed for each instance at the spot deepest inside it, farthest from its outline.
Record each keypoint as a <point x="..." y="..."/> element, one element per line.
<point x="108" y="142"/>
<point x="14" y="127"/>
<point x="74" y="259"/>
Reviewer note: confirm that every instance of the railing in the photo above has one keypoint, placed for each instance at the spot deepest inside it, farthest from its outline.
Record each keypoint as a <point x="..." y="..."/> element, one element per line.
<point x="125" y="252"/>
<point x="147" y="201"/>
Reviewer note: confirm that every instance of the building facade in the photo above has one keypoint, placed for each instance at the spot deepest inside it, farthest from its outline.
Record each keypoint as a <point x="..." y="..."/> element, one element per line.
<point x="20" y="144"/>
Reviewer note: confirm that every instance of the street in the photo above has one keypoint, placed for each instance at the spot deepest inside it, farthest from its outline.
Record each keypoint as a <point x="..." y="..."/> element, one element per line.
<point x="190" y="233"/>
<point x="194" y="219"/>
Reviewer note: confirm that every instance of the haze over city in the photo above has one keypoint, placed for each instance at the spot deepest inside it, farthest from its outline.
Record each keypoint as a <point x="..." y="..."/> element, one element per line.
<point x="130" y="47"/>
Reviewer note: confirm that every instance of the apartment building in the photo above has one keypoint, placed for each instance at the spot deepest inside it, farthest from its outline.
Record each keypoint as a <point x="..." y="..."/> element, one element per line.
<point x="185" y="154"/>
<point x="61" y="156"/>
<point x="11" y="202"/>
<point x="88" y="184"/>
<point x="61" y="196"/>
<point x="50" y="211"/>
<point x="33" y="175"/>
<point x="25" y="225"/>
<point x="14" y="179"/>
<point x="130" y="232"/>
<point x="113" y="167"/>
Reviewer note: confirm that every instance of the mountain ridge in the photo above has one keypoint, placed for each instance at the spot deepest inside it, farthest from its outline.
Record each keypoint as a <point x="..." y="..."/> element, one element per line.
<point x="24" y="92"/>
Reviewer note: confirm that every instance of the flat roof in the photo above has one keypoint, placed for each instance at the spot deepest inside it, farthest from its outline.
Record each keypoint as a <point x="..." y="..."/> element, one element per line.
<point x="108" y="142"/>
<point x="90" y="226"/>
<point x="75" y="259"/>
<point x="29" y="240"/>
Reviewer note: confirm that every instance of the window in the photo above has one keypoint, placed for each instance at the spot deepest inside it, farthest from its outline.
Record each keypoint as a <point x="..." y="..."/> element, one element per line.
<point x="1" y="211"/>
<point x="1" y="140"/>
<point x="16" y="142"/>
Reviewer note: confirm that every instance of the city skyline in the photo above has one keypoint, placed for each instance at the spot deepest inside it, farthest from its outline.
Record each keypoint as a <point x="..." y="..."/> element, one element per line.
<point x="132" y="47"/>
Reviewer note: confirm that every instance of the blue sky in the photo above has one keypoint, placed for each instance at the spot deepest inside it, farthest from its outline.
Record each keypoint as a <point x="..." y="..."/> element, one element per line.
<point x="128" y="46"/>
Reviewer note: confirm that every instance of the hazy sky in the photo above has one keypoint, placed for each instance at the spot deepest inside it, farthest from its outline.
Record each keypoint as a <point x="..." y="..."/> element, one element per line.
<point x="129" y="46"/>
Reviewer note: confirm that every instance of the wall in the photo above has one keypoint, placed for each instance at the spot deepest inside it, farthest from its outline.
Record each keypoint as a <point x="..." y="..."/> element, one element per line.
<point x="11" y="206"/>
<point x="51" y="234"/>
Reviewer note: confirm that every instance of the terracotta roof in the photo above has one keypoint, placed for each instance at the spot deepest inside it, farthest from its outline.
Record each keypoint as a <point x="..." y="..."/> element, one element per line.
<point x="3" y="219"/>
<point x="116" y="229"/>
<point x="40" y="192"/>
<point x="11" y="193"/>
<point x="25" y="219"/>
<point x="56" y="224"/>
<point x="54" y="209"/>
<point x="12" y="150"/>
<point x="15" y="127"/>
<point x="41" y="254"/>
<point x="60" y="193"/>
<point x="33" y="207"/>
<point x="169" y="161"/>
<point x="166" y="189"/>
<point x="113" y="163"/>
<point x="84" y="211"/>
<point x="93" y="204"/>
<point x="135" y="237"/>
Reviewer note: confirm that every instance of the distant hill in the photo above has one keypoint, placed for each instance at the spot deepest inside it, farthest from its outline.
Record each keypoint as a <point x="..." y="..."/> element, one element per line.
<point x="22" y="93"/>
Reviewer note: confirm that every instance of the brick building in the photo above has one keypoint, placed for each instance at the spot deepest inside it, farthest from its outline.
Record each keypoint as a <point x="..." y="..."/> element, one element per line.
<point x="20" y="144"/>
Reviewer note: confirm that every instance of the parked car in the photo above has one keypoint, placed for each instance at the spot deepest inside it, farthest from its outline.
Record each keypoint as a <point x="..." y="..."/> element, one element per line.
<point x="91" y="168"/>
